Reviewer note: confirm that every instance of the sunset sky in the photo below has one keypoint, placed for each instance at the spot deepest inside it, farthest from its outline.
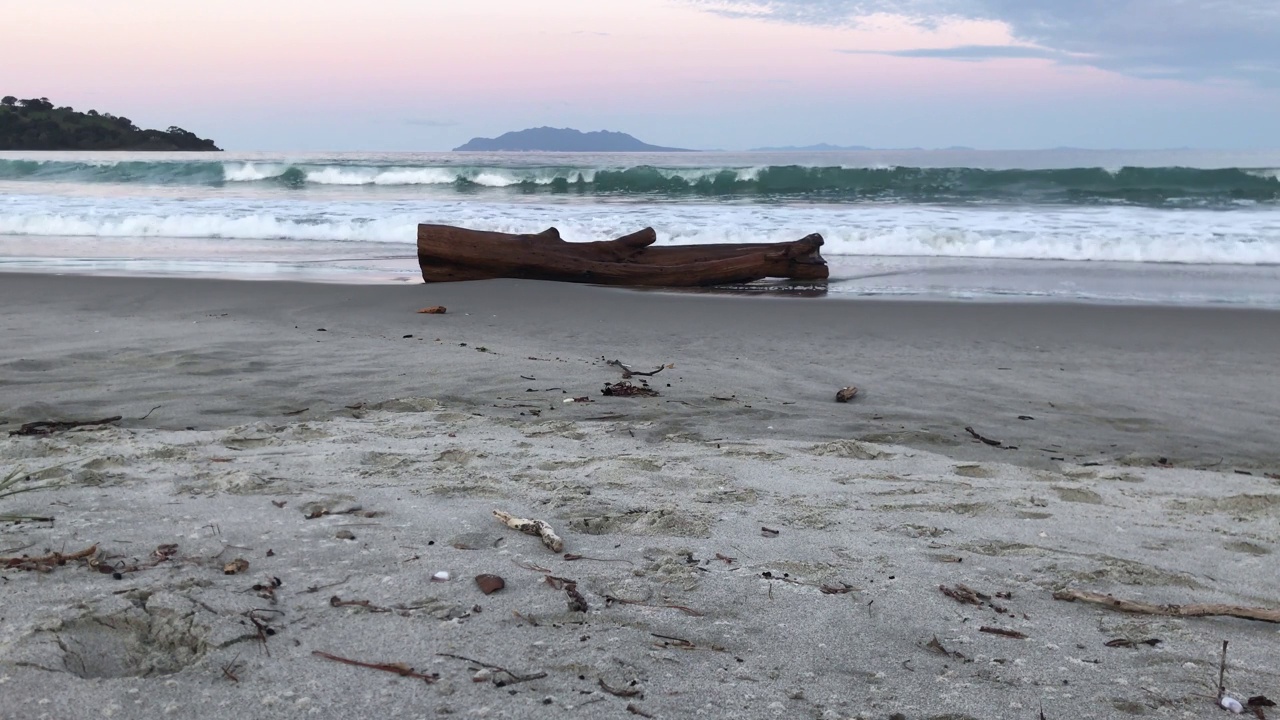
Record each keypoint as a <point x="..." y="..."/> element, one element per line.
<point x="727" y="74"/>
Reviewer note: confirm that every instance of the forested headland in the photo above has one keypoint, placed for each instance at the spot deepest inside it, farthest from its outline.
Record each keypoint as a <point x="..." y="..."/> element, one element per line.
<point x="36" y="124"/>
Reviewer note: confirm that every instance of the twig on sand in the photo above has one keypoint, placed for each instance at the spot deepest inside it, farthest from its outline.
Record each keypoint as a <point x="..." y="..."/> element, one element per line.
<point x="515" y="677"/>
<point x="987" y="440"/>
<point x="1198" y="610"/>
<point x="49" y="427"/>
<point x="230" y="669"/>
<point x="1222" y="672"/>
<point x="532" y="527"/>
<point x="628" y="372"/>
<point x="610" y="599"/>
<point x="679" y="643"/>
<point x="963" y="594"/>
<point x="396" y="668"/>
<point x="627" y="692"/>
<point x="264" y="630"/>
<point x="336" y="601"/>
<point x="318" y="588"/>
<point x="1003" y="631"/>
<point x="46" y="563"/>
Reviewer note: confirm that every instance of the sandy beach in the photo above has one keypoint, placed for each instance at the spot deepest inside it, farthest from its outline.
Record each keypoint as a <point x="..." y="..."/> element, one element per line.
<point x="743" y="545"/>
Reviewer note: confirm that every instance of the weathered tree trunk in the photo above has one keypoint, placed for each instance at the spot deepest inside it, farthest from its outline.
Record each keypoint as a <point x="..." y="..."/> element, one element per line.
<point x="448" y="253"/>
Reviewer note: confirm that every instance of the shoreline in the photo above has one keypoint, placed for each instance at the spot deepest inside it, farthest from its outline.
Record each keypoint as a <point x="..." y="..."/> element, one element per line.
<point x="854" y="278"/>
<point x="1189" y="384"/>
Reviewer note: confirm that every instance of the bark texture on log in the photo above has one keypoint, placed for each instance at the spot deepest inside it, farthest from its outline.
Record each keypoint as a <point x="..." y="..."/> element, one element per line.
<point x="447" y="254"/>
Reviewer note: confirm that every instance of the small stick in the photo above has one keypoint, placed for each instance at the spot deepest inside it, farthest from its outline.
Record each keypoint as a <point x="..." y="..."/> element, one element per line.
<point x="987" y="440"/>
<point x="1200" y="610"/>
<point x="628" y="372"/>
<point x="963" y="594"/>
<point x="397" y="668"/>
<point x="336" y="601"/>
<point x="622" y="601"/>
<point x="47" y="562"/>
<point x="623" y="693"/>
<point x="49" y="427"/>
<point x="571" y="556"/>
<point x="1222" y="672"/>
<point x="229" y="670"/>
<point x="515" y="677"/>
<point x="318" y="588"/>
<point x="532" y="527"/>
<point x="264" y="630"/>
<point x="1003" y="631"/>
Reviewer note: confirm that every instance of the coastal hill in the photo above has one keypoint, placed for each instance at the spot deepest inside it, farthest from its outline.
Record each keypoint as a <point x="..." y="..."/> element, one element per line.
<point x="549" y="139"/>
<point x="35" y="124"/>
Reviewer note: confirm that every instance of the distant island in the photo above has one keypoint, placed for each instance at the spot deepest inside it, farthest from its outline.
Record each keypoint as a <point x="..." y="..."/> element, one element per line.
<point x="35" y="124"/>
<point x="549" y="139"/>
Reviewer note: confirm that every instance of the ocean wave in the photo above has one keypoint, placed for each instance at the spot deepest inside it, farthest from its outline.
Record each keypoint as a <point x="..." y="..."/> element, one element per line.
<point x="1149" y="187"/>
<point x="1189" y="240"/>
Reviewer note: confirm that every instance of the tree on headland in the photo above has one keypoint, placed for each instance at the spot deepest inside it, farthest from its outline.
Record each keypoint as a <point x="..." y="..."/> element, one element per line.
<point x="36" y="104"/>
<point x="35" y="124"/>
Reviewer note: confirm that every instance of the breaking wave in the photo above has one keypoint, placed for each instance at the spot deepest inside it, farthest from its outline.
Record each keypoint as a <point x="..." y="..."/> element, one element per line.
<point x="1135" y="186"/>
<point x="873" y="232"/>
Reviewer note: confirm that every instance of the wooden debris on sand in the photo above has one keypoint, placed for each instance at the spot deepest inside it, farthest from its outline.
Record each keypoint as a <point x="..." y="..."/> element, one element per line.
<point x="448" y="254"/>
<point x="1200" y="610"/>
<point x="537" y="528"/>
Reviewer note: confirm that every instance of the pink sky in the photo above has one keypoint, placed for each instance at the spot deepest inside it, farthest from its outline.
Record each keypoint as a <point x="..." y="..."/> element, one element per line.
<point x="427" y="75"/>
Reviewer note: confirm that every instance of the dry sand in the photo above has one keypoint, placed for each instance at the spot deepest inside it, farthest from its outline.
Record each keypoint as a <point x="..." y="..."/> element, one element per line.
<point x="402" y="447"/>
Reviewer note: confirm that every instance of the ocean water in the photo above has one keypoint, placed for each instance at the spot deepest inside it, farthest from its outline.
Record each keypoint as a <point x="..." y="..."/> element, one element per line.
<point x="1168" y="227"/>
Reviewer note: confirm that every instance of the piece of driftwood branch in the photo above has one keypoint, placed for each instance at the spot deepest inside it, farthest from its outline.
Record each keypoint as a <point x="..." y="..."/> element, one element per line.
<point x="627" y="372"/>
<point x="1198" y="610"/>
<point x="49" y="427"/>
<point x="1222" y="672"/>
<point x="532" y="527"/>
<point x="46" y="563"/>
<point x="397" y="668"/>
<point x="515" y="676"/>
<point x="1006" y="632"/>
<point x="987" y="440"/>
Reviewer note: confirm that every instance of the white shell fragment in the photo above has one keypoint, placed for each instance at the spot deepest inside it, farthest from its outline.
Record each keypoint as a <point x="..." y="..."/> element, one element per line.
<point x="1231" y="704"/>
<point x="442" y="576"/>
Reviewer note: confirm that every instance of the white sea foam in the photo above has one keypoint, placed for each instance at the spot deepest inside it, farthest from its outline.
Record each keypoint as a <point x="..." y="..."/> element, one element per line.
<point x="250" y="172"/>
<point x="1133" y="235"/>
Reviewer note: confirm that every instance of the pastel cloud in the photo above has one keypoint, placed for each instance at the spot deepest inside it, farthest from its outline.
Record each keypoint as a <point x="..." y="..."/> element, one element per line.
<point x="1184" y="39"/>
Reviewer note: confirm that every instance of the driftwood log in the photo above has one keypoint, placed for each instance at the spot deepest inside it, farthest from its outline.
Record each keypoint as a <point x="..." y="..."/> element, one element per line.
<point x="448" y="254"/>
